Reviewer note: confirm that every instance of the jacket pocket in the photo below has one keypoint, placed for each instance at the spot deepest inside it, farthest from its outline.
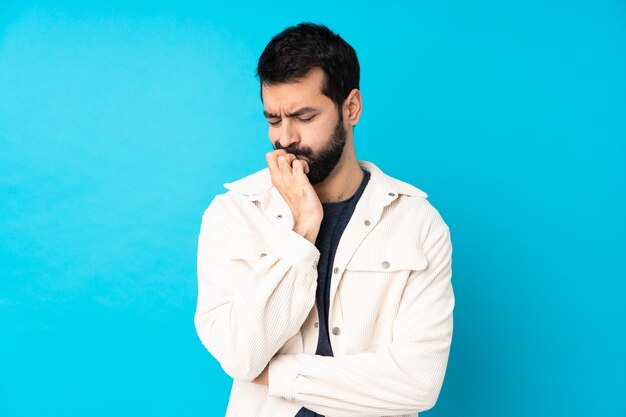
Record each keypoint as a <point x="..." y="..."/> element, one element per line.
<point x="370" y="292"/>
<point x="400" y="255"/>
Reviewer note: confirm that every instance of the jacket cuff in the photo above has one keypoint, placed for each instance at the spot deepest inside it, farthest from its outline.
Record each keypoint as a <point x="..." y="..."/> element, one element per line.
<point x="282" y="377"/>
<point x="298" y="250"/>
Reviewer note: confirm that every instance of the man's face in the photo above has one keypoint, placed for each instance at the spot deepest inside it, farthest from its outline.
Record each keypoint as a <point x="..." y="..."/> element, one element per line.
<point x="306" y="123"/>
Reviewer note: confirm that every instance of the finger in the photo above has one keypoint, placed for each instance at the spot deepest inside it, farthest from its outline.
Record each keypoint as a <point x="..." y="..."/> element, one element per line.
<point x="290" y="158"/>
<point x="299" y="171"/>
<point x="284" y="164"/>
<point x="272" y="164"/>
<point x="275" y="153"/>
<point x="304" y="164"/>
<point x="300" y="167"/>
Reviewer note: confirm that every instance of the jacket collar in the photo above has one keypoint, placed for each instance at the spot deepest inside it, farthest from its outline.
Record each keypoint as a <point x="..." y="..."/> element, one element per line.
<point x="260" y="182"/>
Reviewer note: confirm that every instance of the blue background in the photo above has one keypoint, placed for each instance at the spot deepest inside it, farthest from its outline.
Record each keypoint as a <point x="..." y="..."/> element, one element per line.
<point x="120" y="122"/>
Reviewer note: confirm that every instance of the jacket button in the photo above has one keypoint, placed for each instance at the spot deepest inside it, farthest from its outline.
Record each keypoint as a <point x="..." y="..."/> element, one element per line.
<point x="336" y="331"/>
<point x="384" y="264"/>
<point x="279" y="216"/>
<point x="367" y="222"/>
<point x="336" y="270"/>
<point x="392" y="194"/>
<point x="263" y="255"/>
<point x="315" y="264"/>
<point x="316" y="325"/>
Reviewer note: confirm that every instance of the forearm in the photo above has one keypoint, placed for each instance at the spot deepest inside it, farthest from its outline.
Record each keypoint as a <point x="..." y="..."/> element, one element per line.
<point x="393" y="380"/>
<point x="244" y="333"/>
<point x="244" y="320"/>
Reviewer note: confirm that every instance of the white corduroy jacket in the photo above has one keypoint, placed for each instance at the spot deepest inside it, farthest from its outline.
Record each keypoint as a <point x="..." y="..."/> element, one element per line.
<point x="391" y="302"/>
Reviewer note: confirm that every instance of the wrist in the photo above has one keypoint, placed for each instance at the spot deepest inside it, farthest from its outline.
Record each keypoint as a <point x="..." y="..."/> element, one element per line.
<point x="306" y="232"/>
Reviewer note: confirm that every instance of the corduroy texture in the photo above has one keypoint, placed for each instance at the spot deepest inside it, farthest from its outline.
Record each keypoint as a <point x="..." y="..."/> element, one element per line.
<point x="391" y="302"/>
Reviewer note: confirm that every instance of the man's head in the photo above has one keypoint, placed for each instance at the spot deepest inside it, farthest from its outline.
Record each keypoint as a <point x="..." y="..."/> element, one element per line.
<point x="309" y="79"/>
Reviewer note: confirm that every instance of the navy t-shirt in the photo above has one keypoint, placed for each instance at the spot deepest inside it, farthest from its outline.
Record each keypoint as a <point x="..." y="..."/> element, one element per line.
<point x="336" y="218"/>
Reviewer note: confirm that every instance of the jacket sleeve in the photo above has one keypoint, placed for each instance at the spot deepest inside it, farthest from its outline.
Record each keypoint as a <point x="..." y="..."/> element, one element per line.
<point x="400" y="378"/>
<point x="244" y="316"/>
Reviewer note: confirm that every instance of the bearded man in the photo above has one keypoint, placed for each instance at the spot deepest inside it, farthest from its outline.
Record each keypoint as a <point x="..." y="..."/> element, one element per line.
<point x="324" y="285"/>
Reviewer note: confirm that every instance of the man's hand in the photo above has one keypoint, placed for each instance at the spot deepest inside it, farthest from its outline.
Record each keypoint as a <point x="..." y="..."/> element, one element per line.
<point x="263" y="377"/>
<point x="289" y="177"/>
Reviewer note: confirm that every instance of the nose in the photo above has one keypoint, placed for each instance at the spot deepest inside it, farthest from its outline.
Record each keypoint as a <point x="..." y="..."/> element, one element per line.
<point x="288" y="133"/>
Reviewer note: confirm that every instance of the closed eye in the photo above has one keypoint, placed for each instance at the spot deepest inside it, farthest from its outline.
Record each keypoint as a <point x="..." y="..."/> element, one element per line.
<point x="300" y="119"/>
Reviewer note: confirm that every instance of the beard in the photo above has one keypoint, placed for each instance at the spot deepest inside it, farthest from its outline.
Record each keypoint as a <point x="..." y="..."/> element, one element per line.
<point x="324" y="161"/>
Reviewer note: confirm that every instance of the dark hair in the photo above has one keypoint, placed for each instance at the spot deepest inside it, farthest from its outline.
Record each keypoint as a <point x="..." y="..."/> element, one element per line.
<point x="292" y="53"/>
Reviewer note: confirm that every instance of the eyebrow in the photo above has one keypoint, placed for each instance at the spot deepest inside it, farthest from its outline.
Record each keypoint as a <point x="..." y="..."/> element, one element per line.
<point x="296" y="113"/>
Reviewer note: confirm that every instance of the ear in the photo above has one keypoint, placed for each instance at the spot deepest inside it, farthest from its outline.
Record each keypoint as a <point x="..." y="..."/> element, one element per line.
<point x="352" y="107"/>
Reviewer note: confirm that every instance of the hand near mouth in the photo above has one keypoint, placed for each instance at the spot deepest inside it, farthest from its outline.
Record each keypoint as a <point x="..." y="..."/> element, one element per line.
<point x="288" y="173"/>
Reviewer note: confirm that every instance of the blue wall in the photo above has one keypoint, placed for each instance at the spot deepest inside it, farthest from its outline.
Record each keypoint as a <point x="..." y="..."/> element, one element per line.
<point x="119" y="123"/>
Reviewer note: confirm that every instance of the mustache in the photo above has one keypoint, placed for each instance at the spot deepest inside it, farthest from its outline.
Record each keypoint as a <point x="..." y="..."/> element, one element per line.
<point x="304" y="151"/>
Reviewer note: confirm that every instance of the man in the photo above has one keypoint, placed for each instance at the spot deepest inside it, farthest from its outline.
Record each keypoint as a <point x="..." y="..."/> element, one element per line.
<point x="323" y="284"/>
